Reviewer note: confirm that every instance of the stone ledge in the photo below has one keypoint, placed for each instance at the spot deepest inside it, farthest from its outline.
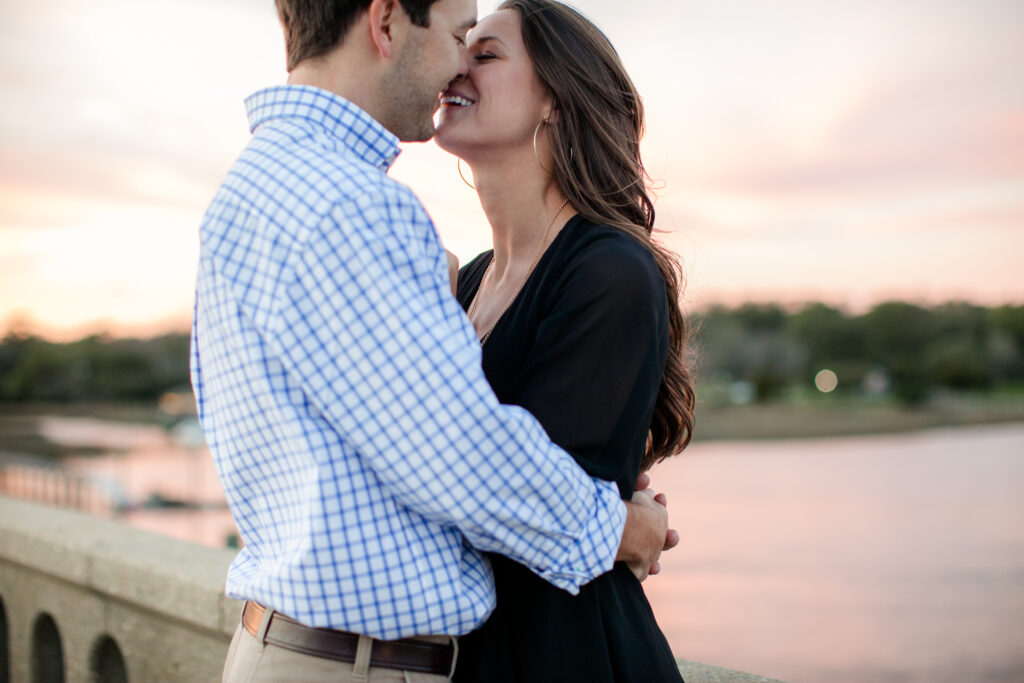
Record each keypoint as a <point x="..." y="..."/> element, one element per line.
<point x="695" y="672"/>
<point x="182" y="580"/>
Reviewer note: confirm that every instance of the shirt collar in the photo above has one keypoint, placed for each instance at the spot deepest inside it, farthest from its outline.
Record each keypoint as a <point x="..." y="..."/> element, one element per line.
<point x="349" y="124"/>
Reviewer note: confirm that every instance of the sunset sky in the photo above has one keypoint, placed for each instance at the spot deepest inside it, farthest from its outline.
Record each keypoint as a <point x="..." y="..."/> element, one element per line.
<point x="804" y="149"/>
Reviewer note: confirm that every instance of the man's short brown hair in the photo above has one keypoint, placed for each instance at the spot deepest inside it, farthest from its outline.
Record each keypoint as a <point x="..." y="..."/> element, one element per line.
<point x="313" y="27"/>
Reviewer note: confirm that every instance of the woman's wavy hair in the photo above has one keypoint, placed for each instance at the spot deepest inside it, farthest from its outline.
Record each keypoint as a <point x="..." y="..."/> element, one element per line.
<point x="595" y="140"/>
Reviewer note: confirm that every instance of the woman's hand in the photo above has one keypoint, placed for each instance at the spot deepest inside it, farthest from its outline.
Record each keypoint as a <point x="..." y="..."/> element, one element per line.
<point x="453" y="270"/>
<point x="644" y="535"/>
<point x="641" y="569"/>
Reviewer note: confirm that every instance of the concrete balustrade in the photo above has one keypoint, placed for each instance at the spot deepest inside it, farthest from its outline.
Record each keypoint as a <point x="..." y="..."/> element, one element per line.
<point x="88" y="599"/>
<point x="91" y="599"/>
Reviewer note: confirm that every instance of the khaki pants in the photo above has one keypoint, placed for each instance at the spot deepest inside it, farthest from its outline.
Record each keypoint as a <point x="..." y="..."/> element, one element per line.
<point x="250" y="661"/>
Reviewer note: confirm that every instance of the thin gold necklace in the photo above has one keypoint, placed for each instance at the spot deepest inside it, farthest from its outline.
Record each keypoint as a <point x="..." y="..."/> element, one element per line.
<point x="490" y="266"/>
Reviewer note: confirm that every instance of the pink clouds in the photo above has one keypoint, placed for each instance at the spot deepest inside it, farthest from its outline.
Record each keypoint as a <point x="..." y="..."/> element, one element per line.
<point x="892" y="141"/>
<point x="847" y="151"/>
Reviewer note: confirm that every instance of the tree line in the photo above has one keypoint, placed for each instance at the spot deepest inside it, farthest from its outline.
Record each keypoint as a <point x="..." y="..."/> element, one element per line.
<point x="896" y="348"/>
<point x="95" y="368"/>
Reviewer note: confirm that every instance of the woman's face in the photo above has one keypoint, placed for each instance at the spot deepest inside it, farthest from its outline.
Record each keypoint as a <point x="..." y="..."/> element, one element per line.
<point x="500" y="102"/>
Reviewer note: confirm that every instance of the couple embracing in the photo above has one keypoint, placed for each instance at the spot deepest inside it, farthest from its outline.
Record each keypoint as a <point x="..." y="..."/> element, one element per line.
<point x="433" y="486"/>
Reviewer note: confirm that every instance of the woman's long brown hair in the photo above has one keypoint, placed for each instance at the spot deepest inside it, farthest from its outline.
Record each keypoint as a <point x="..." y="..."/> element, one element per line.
<point x="595" y="140"/>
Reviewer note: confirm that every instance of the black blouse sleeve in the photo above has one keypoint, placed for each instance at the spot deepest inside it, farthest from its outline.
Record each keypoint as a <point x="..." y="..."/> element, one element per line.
<point x="592" y="375"/>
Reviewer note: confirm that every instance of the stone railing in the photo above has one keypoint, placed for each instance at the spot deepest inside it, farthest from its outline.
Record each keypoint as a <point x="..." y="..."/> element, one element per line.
<point x="88" y="599"/>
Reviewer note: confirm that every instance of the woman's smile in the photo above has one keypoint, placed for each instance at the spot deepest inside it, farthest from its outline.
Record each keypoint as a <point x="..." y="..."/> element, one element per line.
<point x="452" y="100"/>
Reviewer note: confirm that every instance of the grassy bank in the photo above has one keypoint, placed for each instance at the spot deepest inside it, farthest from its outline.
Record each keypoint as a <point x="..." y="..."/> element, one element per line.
<point x="843" y="417"/>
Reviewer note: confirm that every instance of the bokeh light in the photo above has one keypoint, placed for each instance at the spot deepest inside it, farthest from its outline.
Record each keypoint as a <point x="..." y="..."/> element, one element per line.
<point x="826" y="381"/>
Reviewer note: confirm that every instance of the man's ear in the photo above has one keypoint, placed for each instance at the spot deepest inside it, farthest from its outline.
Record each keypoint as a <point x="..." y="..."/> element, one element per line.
<point x="385" y="19"/>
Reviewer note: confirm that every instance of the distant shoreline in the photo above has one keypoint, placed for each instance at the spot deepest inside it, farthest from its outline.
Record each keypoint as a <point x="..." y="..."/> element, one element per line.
<point x="758" y="421"/>
<point x="827" y="419"/>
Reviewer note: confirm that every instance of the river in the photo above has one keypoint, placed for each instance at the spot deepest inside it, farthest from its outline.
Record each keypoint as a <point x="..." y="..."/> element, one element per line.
<point x="896" y="558"/>
<point x="867" y="559"/>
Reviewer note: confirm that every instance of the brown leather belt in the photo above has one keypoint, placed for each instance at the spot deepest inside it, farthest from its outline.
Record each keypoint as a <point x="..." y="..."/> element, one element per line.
<point x="407" y="654"/>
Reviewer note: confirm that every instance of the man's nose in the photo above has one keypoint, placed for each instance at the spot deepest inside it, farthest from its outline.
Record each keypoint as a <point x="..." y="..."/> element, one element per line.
<point x="463" y="66"/>
<point x="455" y="81"/>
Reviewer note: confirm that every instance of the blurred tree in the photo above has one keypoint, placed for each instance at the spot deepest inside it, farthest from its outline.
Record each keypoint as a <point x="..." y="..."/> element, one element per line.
<point x="761" y="317"/>
<point x="896" y="335"/>
<point x="833" y="341"/>
<point x="958" y="355"/>
<point x="1011" y="320"/>
<point x="750" y="344"/>
<point x="93" y="368"/>
<point x="1007" y="342"/>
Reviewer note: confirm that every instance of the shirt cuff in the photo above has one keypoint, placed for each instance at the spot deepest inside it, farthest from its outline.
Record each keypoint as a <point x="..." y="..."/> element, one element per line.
<point x="598" y="545"/>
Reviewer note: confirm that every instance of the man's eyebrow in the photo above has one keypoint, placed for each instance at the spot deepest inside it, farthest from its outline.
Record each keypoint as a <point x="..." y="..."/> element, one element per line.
<point x="468" y="24"/>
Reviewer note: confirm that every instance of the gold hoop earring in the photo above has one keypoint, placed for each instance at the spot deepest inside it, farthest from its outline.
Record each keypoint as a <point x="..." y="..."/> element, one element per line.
<point x="535" y="154"/>
<point x="458" y="165"/>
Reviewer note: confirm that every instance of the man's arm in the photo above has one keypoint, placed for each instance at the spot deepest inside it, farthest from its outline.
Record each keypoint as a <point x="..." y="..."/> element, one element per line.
<point x="384" y="352"/>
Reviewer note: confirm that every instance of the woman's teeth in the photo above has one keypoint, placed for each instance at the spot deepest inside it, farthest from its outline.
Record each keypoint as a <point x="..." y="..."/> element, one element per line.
<point x="455" y="100"/>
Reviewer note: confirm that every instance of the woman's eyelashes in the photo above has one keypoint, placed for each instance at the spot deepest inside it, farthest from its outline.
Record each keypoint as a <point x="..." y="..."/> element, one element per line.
<point x="484" y="56"/>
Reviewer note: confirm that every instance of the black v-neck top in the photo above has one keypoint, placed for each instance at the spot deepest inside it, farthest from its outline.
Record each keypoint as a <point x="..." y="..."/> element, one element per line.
<point x="583" y="348"/>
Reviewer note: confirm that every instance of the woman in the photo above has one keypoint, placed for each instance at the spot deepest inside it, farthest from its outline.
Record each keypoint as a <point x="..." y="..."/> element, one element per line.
<point x="578" y="312"/>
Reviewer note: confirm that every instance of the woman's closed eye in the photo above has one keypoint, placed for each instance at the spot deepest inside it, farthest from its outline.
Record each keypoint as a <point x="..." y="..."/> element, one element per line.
<point x="484" y="56"/>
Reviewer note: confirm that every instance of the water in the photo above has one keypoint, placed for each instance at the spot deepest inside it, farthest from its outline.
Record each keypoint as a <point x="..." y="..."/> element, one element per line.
<point x="880" y="558"/>
<point x="883" y="558"/>
<point x="142" y="463"/>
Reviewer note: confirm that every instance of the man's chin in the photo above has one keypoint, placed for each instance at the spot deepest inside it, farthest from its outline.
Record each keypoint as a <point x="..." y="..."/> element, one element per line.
<point x="422" y="134"/>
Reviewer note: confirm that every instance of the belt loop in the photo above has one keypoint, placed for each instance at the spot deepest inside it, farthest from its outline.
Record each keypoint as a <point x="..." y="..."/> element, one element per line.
<point x="261" y="632"/>
<point x="361" y="666"/>
<point x="455" y="656"/>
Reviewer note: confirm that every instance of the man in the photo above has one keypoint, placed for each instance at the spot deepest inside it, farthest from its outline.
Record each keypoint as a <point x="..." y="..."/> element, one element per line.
<point x="364" y="457"/>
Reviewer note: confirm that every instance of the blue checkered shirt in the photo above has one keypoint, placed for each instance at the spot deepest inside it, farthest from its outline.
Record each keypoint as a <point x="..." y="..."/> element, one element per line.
<point x="365" y="458"/>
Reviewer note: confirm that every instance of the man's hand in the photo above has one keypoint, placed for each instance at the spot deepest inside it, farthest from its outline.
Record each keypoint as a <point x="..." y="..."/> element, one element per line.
<point x="453" y="269"/>
<point x="646" y="534"/>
